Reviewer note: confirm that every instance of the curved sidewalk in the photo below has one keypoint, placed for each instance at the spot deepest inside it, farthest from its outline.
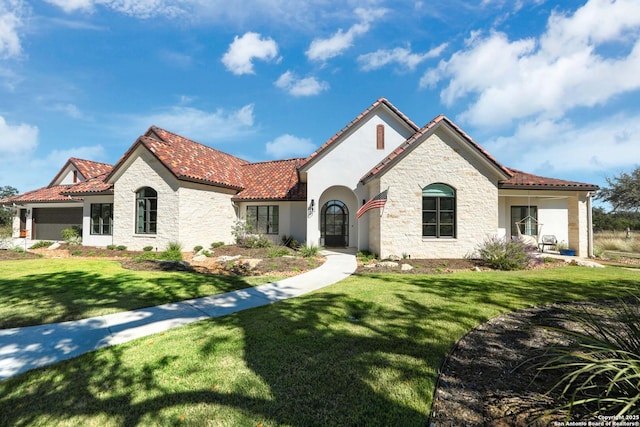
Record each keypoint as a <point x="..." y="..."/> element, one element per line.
<point x="22" y="349"/>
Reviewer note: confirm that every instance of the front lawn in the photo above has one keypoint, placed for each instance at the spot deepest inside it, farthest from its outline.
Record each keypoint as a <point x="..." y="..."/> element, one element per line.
<point x="365" y="351"/>
<point x="41" y="291"/>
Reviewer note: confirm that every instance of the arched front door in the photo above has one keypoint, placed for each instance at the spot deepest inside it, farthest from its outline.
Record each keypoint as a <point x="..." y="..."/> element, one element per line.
<point x="335" y="224"/>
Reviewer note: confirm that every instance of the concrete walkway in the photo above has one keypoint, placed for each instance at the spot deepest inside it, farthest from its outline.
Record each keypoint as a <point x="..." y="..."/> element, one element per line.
<point x="22" y="349"/>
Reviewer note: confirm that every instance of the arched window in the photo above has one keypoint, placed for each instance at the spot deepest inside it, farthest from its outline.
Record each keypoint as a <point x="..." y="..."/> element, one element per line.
<point x="146" y="211"/>
<point x="438" y="211"/>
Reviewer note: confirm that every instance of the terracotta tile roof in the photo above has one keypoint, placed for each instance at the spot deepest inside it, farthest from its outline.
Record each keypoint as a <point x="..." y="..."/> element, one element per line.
<point x="429" y="128"/>
<point x="275" y="180"/>
<point x="87" y="168"/>
<point x="334" y="138"/>
<point x="95" y="185"/>
<point x="524" y="180"/>
<point x="191" y="161"/>
<point x="45" y="194"/>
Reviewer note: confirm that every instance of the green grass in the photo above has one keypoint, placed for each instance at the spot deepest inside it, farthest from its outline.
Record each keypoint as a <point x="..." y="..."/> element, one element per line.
<point x="365" y="351"/>
<point x="54" y="290"/>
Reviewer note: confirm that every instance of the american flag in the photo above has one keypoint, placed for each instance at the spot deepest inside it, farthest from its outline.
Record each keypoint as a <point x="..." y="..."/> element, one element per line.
<point x="376" y="202"/>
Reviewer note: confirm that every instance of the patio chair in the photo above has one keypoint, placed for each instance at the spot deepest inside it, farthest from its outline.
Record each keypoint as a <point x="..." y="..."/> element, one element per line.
<point x="547" y="240"/>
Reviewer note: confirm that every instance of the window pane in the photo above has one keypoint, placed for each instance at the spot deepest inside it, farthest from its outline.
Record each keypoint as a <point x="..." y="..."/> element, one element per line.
<point x="446" y="230"/>
<point x="274" y="221"/>
<point x="446" y="217"/>
<point x="429" y="217"/>
<point x="429" y="230"/>
<point x="429" y="203"/>
<point x="446" y="203"/>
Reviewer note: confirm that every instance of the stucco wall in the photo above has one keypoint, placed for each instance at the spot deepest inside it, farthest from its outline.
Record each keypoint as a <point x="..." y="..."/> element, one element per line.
<point x="291" y="216"/>
<point x="553" y="214"/>
<point x="441" y="158"/>
<point x="346" y="162"/>
<point x="89" y="239"/>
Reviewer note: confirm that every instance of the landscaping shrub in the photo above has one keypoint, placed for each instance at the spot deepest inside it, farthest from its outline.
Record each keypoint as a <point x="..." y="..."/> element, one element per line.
<point x="197" y="248"/>
<point x="72" y="236"/>
<point x="172" y="252"/>
<point x="216" y="245"/>
<point x="603" y="361"/>
<point x="41" y="244"/>
<point x="278" y="252"/>
<point x="290" y="242"/>
<point x="147" y="248"/>
<point x="121" y="248"/>
<point x="365" y="256"/>
<point x="309" y="251"/>
<point x="504" y="254"/>
<point x="111" y="247"/>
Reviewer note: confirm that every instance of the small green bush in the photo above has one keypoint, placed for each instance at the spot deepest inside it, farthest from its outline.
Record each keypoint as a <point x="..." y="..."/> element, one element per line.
<point x="366" y="256"/>
<point x="76" y="252"/>
<point x="41" y="244"/>
<point x="216" y="245"/>
<point x="257" y="241"/>
<point x="278" y="252"/>
<point x="197" y="248"/>
<point x="504" y="254"/>
<point x="121" y="248"/>
<point x="147" y="248"/>
<point x="309" y="251"/>
<point x="206" y="253"/>
<point x="172" y="252"/>
<point x="72" y="235"/>
<point x="111" y="247"/>
<point x="290" y="242"/>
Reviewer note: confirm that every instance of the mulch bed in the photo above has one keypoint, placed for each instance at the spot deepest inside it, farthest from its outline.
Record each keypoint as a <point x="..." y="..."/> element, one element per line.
<point x="491" y="377"/>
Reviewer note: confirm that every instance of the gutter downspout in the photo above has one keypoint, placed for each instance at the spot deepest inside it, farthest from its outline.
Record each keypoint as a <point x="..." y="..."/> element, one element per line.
<point x="590" y="226"/>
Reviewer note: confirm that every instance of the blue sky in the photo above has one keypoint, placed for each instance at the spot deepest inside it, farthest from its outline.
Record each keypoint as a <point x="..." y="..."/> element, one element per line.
<point x="549" y="87"/>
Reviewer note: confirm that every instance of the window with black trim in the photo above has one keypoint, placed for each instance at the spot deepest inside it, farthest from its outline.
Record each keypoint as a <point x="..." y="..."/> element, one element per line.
<point x="146" y="211"/>
<point x="438" y="211"/>
<point x="263" y="219"/>
<point x="102" y="218"/>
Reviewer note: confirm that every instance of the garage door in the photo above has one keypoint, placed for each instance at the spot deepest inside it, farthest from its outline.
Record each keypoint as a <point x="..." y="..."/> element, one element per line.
<point x="49" y="222"/>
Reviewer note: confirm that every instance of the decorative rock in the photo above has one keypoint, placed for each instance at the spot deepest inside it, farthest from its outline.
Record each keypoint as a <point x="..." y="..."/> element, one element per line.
<point x="227" y="258"/>
<point x="199" y="258"/>
<point x="584" y="263"/>
<point x="369" y="266"/>
<point x="406" y="267"/>
<point x="55" y="245"/>
<point x="390" y="264"/>
<point x="250" y="263"/>
<point x="394" y="258"/>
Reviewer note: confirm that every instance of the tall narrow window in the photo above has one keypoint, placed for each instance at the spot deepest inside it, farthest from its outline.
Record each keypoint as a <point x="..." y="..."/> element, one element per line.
<point x="380" y="137"/>
<point x="146" y="211"/>
<point x="263" y="219"/>
<point x="438" y="211"/>
<point x="102" y="218"/>
<point x="525" y="217"/>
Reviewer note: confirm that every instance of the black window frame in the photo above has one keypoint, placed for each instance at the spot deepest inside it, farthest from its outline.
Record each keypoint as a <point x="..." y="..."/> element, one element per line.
<point x="526" y="212"/>
<point x="263" y="219"/>
<point x="439" y="212"/>
<point x="104" y="217"/>
<point x="146" y="211"/>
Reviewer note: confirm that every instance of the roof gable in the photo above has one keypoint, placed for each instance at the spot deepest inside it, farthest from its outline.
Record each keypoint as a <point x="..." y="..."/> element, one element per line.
<point x="381" y="103"/>
<point x="85" y="168"/>
<point x="188" y="160"/>
<point x="424" y="133"/>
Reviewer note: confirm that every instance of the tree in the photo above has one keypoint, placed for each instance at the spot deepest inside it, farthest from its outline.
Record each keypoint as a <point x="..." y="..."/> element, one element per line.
<point x="5" y="215"/>
<point x="623" y="192"/>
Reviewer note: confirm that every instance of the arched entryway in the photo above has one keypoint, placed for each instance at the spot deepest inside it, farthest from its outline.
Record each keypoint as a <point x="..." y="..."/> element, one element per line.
<point x="334" y="224"/>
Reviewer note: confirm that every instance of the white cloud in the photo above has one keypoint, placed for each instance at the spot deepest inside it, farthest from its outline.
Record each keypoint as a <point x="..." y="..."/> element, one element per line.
<point x="143" y="9"/>
<point x="566" y="67"/>
<point x="609" y="144"/>
<point x="14" y="139"/>
<point x="295" y="86"/>
<point x="243" y="50"/>
<point x="199" y="125"/>
<point x="324" y="49"/>
<point x="73" y="5"/>
<point x="289" y="146"/>
<point x="400" y="55"/>
<point x="11" y="19"/>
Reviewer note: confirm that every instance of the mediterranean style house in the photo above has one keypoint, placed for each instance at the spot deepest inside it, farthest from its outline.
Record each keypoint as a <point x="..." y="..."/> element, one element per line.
<point x="381" y="184"/>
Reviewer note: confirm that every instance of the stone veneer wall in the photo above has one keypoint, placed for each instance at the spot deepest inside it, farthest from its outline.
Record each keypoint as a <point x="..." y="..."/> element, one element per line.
<point x="578" y="224"/>
<point x="206" y="216"/>
<point x="145" y="171"/>
<point x="442" y="158"/>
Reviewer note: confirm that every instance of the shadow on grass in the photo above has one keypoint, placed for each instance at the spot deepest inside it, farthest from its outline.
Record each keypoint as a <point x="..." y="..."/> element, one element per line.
<point x="61" y="296"/>
<point x="365" y="352"/>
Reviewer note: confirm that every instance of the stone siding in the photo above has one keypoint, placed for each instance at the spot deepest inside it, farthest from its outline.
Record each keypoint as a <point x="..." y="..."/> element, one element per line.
<point x="206" y="216"/>
<point x="442" y="158"/>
